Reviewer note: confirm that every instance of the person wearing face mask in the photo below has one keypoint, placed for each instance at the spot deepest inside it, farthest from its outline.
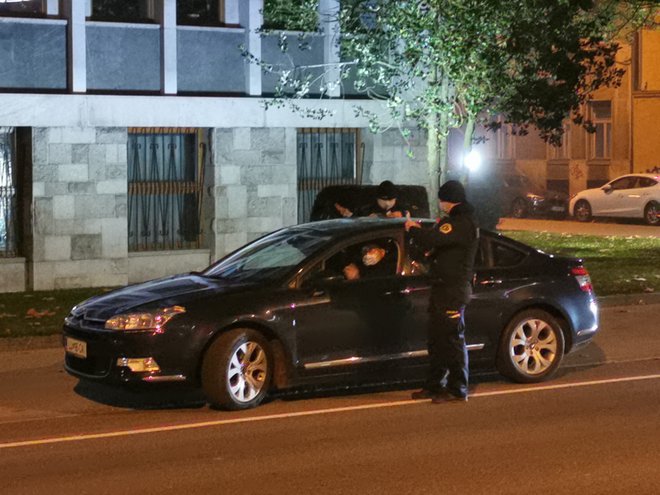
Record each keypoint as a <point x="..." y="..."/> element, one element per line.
<point x="370" y="264"/>
<point x="385" y="205"/>
<point x="452" y="243"/>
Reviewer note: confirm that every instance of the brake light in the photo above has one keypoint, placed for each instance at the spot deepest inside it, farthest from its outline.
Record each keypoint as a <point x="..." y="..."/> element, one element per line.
<point x="582" y="276"/>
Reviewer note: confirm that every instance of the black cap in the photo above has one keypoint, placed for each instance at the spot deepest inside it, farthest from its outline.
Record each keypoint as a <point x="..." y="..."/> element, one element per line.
<point x="452" y="191"/>
<point x="386" y="190"/>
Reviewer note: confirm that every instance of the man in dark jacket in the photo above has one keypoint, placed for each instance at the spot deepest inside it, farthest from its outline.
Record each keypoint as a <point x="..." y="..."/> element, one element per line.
<point x="385" y="205"/>
<point x="451" y="245"/>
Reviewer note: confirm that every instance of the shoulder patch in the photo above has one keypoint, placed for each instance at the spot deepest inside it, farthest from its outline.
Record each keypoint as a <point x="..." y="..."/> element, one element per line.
<point x="445" y="228"/>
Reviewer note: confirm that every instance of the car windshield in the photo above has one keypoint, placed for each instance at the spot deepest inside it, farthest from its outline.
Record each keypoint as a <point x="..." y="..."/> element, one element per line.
<point x="268" y="258"/>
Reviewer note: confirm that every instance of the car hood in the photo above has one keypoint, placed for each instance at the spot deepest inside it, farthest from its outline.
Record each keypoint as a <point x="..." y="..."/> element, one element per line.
<point x="170" y="291"/>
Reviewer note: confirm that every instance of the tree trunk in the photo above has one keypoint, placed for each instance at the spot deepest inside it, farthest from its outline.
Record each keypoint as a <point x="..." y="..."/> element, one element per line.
<point x="467" y="147"/>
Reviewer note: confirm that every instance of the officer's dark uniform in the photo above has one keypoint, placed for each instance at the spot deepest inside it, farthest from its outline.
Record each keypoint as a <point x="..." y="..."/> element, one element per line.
<point x="452" y="243"/>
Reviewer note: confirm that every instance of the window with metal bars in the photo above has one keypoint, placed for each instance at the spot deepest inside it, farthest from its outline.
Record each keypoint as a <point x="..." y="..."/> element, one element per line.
<point x="165" y="188"/>
<point x="9" y="223"/>
<point x="326" y="157"/>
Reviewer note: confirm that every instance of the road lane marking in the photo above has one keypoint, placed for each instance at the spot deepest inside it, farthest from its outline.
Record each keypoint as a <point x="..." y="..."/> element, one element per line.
<point x="251" y="419"/>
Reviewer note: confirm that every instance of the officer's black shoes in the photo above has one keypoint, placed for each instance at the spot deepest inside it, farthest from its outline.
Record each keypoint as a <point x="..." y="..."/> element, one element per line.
<point x="423" y="394"/>
<point x="446" y="396"/>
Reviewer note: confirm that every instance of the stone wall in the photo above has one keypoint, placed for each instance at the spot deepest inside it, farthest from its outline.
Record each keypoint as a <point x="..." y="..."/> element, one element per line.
<point x="79" y="207"/>
<point x="387" y="158"/>
<point x="255" y="190"/>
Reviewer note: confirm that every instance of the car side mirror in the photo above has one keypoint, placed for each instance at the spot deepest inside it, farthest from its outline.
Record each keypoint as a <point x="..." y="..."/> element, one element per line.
<point x="607" y="188"/>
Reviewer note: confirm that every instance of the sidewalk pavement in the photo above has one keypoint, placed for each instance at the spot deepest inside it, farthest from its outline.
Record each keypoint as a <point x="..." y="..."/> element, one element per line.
<point x="18" y="344"/>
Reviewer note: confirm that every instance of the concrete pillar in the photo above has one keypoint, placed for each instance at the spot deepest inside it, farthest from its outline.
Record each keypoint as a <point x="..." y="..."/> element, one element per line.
<point x="251" y="19"/>
<point x="76" y="11"/>
<point x="329" y="23"/>
<point x="168" y="62"/>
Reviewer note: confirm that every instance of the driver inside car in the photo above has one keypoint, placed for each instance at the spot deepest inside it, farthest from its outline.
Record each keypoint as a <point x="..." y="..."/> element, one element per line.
<point x="369" y="265"/>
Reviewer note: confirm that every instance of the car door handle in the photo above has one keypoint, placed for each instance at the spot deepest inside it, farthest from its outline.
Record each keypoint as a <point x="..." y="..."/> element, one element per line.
<point x="491" y="281"/>
<point x="318" y="293"/>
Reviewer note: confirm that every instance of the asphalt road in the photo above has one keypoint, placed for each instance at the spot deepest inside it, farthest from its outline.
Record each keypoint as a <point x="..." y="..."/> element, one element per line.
<point x="595" y="429"/>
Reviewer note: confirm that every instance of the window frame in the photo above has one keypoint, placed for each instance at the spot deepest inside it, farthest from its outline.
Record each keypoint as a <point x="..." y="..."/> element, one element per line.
<point x="604" y="123"/>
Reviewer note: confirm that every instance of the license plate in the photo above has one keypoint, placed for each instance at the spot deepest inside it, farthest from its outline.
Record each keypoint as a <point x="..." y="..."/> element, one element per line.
<point x="557" y="208"/>
<point x="76" y="347"/>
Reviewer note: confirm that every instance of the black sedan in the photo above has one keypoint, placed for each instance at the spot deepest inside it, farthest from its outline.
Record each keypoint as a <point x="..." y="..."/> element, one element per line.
<point x="281" y="313"/>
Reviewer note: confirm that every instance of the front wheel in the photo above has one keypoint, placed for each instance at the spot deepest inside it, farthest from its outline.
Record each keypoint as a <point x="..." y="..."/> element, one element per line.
<point x="652" y="213"/>
<point x="582" y="211"/>
<point x="531" y="347"/>
<point x="237" y="370"/>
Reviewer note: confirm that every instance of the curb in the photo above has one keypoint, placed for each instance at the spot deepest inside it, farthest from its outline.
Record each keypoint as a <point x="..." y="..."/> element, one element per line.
<point x="18" y="344"/>
<point x="629" y="299"/>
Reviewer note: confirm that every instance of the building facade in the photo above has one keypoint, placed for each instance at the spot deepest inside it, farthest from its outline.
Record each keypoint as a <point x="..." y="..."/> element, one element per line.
<point x="627" y="126"/>
<point x="134" y="143"/>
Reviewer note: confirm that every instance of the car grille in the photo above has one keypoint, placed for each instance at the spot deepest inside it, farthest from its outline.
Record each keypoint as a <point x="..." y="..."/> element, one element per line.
<point x="98" y="362"/>
<point x="96" y="366"/>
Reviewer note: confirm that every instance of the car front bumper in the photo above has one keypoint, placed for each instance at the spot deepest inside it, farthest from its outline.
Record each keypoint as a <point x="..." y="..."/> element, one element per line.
<point x="126" y="357"/>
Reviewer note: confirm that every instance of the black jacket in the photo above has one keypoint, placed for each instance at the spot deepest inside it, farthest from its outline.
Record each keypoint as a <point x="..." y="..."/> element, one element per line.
<point x="451" y="245"/>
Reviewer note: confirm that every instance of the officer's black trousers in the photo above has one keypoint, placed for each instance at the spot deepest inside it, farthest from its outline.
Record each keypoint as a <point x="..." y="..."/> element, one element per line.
<point x="447" y="351"/>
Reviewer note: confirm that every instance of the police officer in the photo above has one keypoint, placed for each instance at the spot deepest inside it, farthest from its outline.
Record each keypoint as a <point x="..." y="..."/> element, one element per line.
<point x="451" y="245"/>
<point x="384" y="207"/>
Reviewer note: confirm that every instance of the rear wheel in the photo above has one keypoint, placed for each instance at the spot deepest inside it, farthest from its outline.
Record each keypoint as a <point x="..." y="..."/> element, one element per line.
<point x="519" y="208"/>
<point x="531" y="347"/>
<point x="652" y="213"/>
<point x="582" y="211"/>
<point x="237" y="370"/>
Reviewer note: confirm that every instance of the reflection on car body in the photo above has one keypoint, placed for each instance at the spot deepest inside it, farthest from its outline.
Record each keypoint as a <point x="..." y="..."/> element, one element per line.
<point x="278" y="313"/>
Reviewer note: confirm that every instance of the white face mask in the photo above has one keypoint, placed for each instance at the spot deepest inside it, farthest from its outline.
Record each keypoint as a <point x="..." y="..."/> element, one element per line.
<point x="371" y="258"/>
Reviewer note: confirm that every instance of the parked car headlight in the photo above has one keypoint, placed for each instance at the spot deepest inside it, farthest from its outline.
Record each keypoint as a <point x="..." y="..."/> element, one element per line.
<point x="534" y="198"/>
<point x="147" y="320"/>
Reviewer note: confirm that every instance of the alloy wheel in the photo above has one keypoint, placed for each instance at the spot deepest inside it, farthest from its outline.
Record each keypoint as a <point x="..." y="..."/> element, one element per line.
<point x="533" y="346"/>
<point x="652" y="214"/>
<point x="247" y="371"/>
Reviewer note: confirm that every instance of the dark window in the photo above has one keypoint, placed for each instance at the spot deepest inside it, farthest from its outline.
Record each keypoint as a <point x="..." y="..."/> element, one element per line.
<point x="646" y="182"/>
<point x="9" y="210"/>
<point x="625" y="183"/>
<point x="165" y="186"/>
<point x="504" y="256"/>
<point x="28" y="8"/>
<point x="326" y="157"/>
<point x="200" y="12"/>
<point x="138" y="11"/>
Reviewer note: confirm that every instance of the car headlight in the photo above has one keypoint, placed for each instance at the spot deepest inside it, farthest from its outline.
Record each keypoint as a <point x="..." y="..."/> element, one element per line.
<point x="147" y="320"/>
<point x="534" y="198"/>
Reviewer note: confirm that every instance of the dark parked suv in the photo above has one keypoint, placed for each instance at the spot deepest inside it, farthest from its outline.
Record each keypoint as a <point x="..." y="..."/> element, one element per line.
<point x="411" y="198"/>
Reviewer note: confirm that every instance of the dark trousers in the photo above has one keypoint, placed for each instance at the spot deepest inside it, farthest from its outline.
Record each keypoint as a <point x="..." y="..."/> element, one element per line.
<point x="448" y="359"/>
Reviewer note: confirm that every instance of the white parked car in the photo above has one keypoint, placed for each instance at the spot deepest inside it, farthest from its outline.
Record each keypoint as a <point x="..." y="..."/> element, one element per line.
<point x="628" y="196"/>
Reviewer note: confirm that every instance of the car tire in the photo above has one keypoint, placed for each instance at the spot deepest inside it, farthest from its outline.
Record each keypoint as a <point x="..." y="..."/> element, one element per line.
<point x="519" y="208"/>
<point x="237" y="370"/>
<point x="531" y="347"/>
<point x="651" y="212"/>
<point x="582" y="211"/>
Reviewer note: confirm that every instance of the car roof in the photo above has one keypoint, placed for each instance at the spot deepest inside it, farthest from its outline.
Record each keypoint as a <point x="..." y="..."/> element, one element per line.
<point x="350" y="226"/>
<point x="640" y="174"/>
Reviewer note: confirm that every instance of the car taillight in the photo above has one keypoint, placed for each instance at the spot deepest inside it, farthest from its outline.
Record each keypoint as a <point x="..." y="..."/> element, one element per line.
<point x="582" y="276"/>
